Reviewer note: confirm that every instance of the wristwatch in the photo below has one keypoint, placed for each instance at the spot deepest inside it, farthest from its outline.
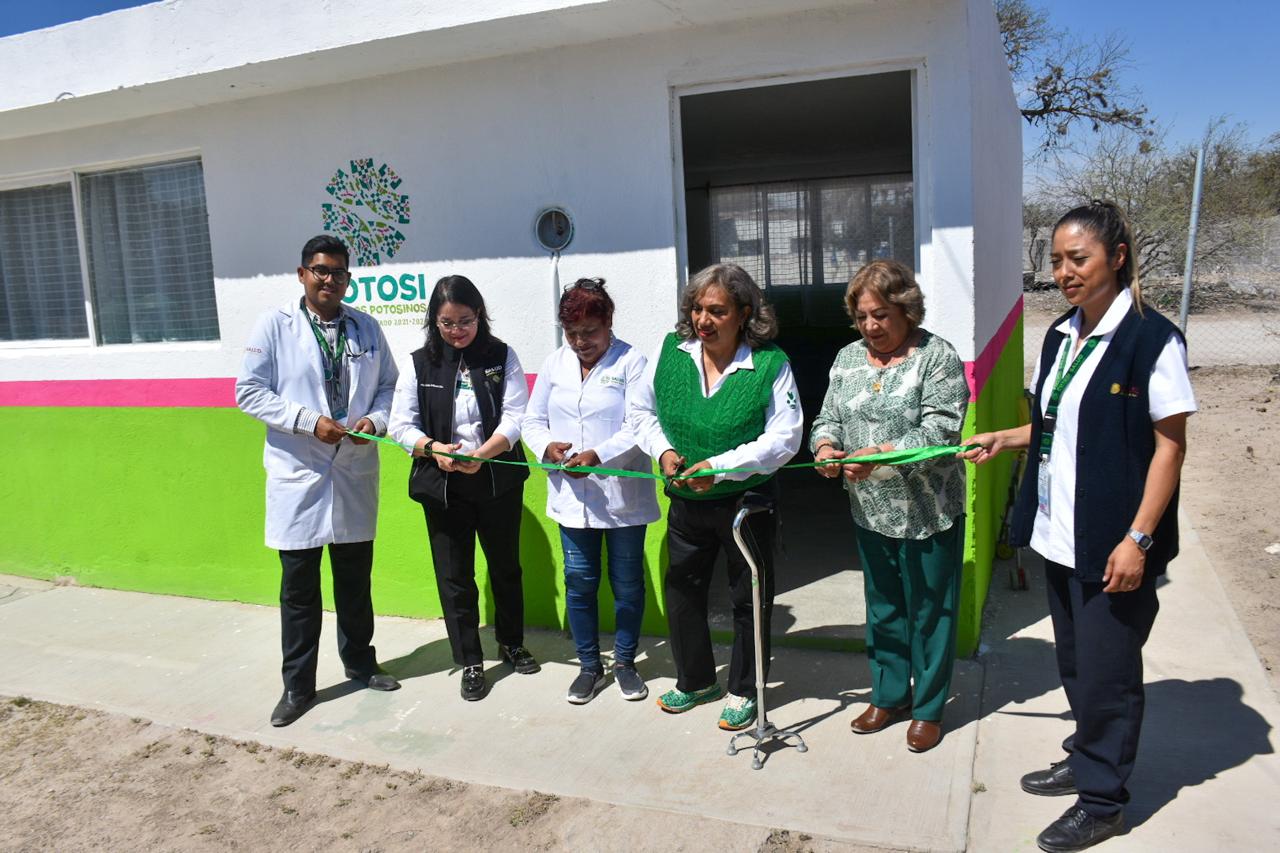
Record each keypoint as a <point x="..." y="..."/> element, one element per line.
<point x="1144" y="541"/>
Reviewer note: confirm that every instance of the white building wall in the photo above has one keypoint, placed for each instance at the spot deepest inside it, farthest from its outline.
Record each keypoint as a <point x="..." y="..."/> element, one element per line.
<point x="482" y="145"/>
<point x="997" y="178"/>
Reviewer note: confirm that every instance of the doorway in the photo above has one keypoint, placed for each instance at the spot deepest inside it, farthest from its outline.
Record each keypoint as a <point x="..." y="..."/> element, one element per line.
<point x="801" y="184"/>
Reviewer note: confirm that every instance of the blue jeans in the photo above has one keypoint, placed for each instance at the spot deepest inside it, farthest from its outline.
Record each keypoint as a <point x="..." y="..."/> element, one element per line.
<point x="582" y="560"/>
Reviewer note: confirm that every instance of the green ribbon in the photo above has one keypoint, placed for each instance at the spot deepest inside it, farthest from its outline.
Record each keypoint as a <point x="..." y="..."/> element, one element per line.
<point x="892" y="457"/>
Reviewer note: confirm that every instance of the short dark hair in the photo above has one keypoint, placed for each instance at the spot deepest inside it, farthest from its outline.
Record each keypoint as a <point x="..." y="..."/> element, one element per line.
<point x="459" y="290"/>
<point x="325" y="244"/>
<point x="585" y="298"/>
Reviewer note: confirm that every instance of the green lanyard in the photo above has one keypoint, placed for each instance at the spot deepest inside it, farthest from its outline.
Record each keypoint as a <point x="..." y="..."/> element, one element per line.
<point x="333" y="360"/>
<point x="1049" y="423"/>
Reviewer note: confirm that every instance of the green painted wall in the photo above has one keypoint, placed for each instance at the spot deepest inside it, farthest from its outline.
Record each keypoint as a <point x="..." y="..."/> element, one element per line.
<point x="988" y="485"/>
<point x="171" y="501"/>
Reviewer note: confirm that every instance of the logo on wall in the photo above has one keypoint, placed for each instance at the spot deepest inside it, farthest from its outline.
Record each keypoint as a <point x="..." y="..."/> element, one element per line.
<point x="366" y="211"/>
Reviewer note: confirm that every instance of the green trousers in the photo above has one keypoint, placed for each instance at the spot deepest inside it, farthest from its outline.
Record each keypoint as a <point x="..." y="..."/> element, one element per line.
<point x="912" y="588"/>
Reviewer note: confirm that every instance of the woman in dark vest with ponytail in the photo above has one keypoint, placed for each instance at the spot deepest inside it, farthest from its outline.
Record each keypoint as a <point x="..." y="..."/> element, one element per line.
<point x="1099" y="502"/>
<point x="718" y="395"/>
<point x="466" y="394"/>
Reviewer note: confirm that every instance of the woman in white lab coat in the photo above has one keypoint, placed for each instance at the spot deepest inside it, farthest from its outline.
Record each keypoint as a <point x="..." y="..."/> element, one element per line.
<point x="577" y="416"/>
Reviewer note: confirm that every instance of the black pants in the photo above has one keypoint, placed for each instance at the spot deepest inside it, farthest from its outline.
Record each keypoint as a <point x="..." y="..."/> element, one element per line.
<point x="696" y="531"/>
<point x="301" y="611"/>
<point x="1099" y="638"/>
<point x="452" y="533"/>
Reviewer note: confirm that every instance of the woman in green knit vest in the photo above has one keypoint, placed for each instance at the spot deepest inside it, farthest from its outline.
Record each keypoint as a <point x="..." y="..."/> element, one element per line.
<point x="900" y="387"/>
<point x="718" y="395"/>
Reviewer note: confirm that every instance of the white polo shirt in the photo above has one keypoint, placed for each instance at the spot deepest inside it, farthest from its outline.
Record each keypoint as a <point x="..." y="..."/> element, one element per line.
<point x="1169" y="393"/>
<point x="468" y="430"/>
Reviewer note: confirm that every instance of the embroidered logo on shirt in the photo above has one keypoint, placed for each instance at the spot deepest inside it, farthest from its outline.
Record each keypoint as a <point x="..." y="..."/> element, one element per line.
<point x="1131" y="391"/>
<point x="791" y="400"/>
<point x="612" y="381"/>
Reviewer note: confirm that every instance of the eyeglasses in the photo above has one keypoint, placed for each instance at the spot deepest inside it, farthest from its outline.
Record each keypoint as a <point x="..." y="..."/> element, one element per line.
<point x="449" y="325"/>
<point x="339" y="276"/>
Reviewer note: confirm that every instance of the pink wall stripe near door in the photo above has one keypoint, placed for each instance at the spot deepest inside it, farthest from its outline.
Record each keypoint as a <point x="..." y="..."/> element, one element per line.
<point x="979" y="371"/>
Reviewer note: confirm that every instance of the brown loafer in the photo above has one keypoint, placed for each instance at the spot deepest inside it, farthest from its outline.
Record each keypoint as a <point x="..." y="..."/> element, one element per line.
<point x="874" y="719"/>
<point x="923" y="735"/>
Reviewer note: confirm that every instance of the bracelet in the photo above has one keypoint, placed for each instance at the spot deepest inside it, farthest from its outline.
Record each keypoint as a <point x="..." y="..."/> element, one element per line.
<point x="426" y="448"/>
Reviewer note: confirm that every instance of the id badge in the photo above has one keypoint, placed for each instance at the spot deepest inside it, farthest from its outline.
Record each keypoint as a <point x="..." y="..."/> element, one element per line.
<point x="1044" y="482"/>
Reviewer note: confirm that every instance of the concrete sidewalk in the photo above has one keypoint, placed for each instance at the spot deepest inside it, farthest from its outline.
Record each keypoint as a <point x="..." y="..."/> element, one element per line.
<point x="1208" y="776"/>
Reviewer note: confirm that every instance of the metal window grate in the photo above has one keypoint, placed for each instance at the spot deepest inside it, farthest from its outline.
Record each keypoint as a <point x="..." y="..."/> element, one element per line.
<point x="150" y="262"/>
<point x="800" y="234"/>
<point x="41" y="289"/>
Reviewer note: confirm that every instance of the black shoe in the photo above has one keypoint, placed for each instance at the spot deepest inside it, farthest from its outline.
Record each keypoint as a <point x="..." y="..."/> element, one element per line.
<point x="519" y="658"/>
<point x="292" y="705"/>
<point x="1078" y="830"/>
<point x="474" y="685"/>
<point x="585" y="687"/>
<point x="629" y="682"/>
<point x="379" y="679"/>
<point x="1054" y="782"/>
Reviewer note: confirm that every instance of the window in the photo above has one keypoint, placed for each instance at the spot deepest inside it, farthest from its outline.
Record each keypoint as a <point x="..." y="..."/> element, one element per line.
<point x="147" y="271"/>
<point x="813" y="233"/>
<point x="41" y="288"/>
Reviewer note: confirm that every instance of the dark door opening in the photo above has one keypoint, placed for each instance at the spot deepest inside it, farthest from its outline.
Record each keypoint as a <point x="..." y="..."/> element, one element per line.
<point x="802" y="184"/>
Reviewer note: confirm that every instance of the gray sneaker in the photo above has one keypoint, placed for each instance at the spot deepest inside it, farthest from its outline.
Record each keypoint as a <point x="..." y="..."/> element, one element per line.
<point x="585" y="687"/>
<point x="629" y="682"/>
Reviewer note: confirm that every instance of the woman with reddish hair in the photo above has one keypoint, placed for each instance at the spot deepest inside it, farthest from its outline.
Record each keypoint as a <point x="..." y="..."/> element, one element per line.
<point x="577" y="416"/>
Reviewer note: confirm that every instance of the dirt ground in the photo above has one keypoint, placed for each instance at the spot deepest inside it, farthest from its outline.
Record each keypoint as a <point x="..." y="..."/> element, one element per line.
<point x="1231" y="492"/>
<point x="74" y="779"/>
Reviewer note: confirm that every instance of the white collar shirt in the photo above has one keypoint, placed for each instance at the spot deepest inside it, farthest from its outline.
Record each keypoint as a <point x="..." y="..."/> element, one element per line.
<point x="769" y="451"/>
<point x="468" y="430"/>
<point x="591" y="414"/>
<point x="1169" y="393"/>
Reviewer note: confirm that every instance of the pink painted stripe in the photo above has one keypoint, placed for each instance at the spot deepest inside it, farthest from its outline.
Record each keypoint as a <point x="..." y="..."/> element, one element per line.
<point x="979" y="371"/>
<point x="166" y="393"/>
<point x="120" y="393"/>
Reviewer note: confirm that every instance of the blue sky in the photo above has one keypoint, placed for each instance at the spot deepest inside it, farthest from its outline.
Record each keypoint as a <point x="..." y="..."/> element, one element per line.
<point x="1191" y="61"/>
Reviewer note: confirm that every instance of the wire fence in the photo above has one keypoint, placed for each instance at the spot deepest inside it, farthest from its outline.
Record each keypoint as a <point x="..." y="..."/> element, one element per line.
<point x="1233" y="315"/>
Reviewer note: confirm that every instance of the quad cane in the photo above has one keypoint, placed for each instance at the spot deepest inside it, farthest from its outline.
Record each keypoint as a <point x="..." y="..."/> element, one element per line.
<point x="764" y="730"/>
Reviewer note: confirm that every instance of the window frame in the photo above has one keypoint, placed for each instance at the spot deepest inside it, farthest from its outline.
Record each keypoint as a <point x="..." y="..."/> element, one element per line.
<point x="71" y="176"/>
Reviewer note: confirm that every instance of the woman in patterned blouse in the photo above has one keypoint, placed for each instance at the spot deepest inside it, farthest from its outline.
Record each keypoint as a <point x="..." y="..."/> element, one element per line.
<point x="900" y="387"/>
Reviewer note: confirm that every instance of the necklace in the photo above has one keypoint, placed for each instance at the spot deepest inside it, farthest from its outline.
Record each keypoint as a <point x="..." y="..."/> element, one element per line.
<point x="888" y="357"/>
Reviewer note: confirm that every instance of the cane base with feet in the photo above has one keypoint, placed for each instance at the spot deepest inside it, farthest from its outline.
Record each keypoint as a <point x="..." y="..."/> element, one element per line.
<point x="765" y="731"/>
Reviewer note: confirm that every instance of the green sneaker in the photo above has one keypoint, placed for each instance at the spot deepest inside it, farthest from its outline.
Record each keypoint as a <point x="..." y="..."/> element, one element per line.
<point x="739" y="712"/>
<point x="677" y="701"/>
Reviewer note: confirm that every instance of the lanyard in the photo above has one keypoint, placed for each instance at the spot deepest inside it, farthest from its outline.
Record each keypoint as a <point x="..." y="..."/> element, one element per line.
<point x="333" y="360"/>
<point x="1049" y="423"/>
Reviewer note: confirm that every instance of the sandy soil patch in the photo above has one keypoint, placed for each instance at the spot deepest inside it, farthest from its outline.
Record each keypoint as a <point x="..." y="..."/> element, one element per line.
<point x="75" y="779"/>
<point x="1231" y="492"/>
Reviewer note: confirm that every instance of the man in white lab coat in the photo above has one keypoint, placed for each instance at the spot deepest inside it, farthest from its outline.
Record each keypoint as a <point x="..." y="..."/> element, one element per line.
<point x="313" y="371"/>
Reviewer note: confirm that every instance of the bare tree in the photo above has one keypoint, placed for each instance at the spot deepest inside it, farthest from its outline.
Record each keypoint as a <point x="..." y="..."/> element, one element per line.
<point x="1154" y="185"/>
<point x="1264" y="169"/>
<point x="1063" y="82"/>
